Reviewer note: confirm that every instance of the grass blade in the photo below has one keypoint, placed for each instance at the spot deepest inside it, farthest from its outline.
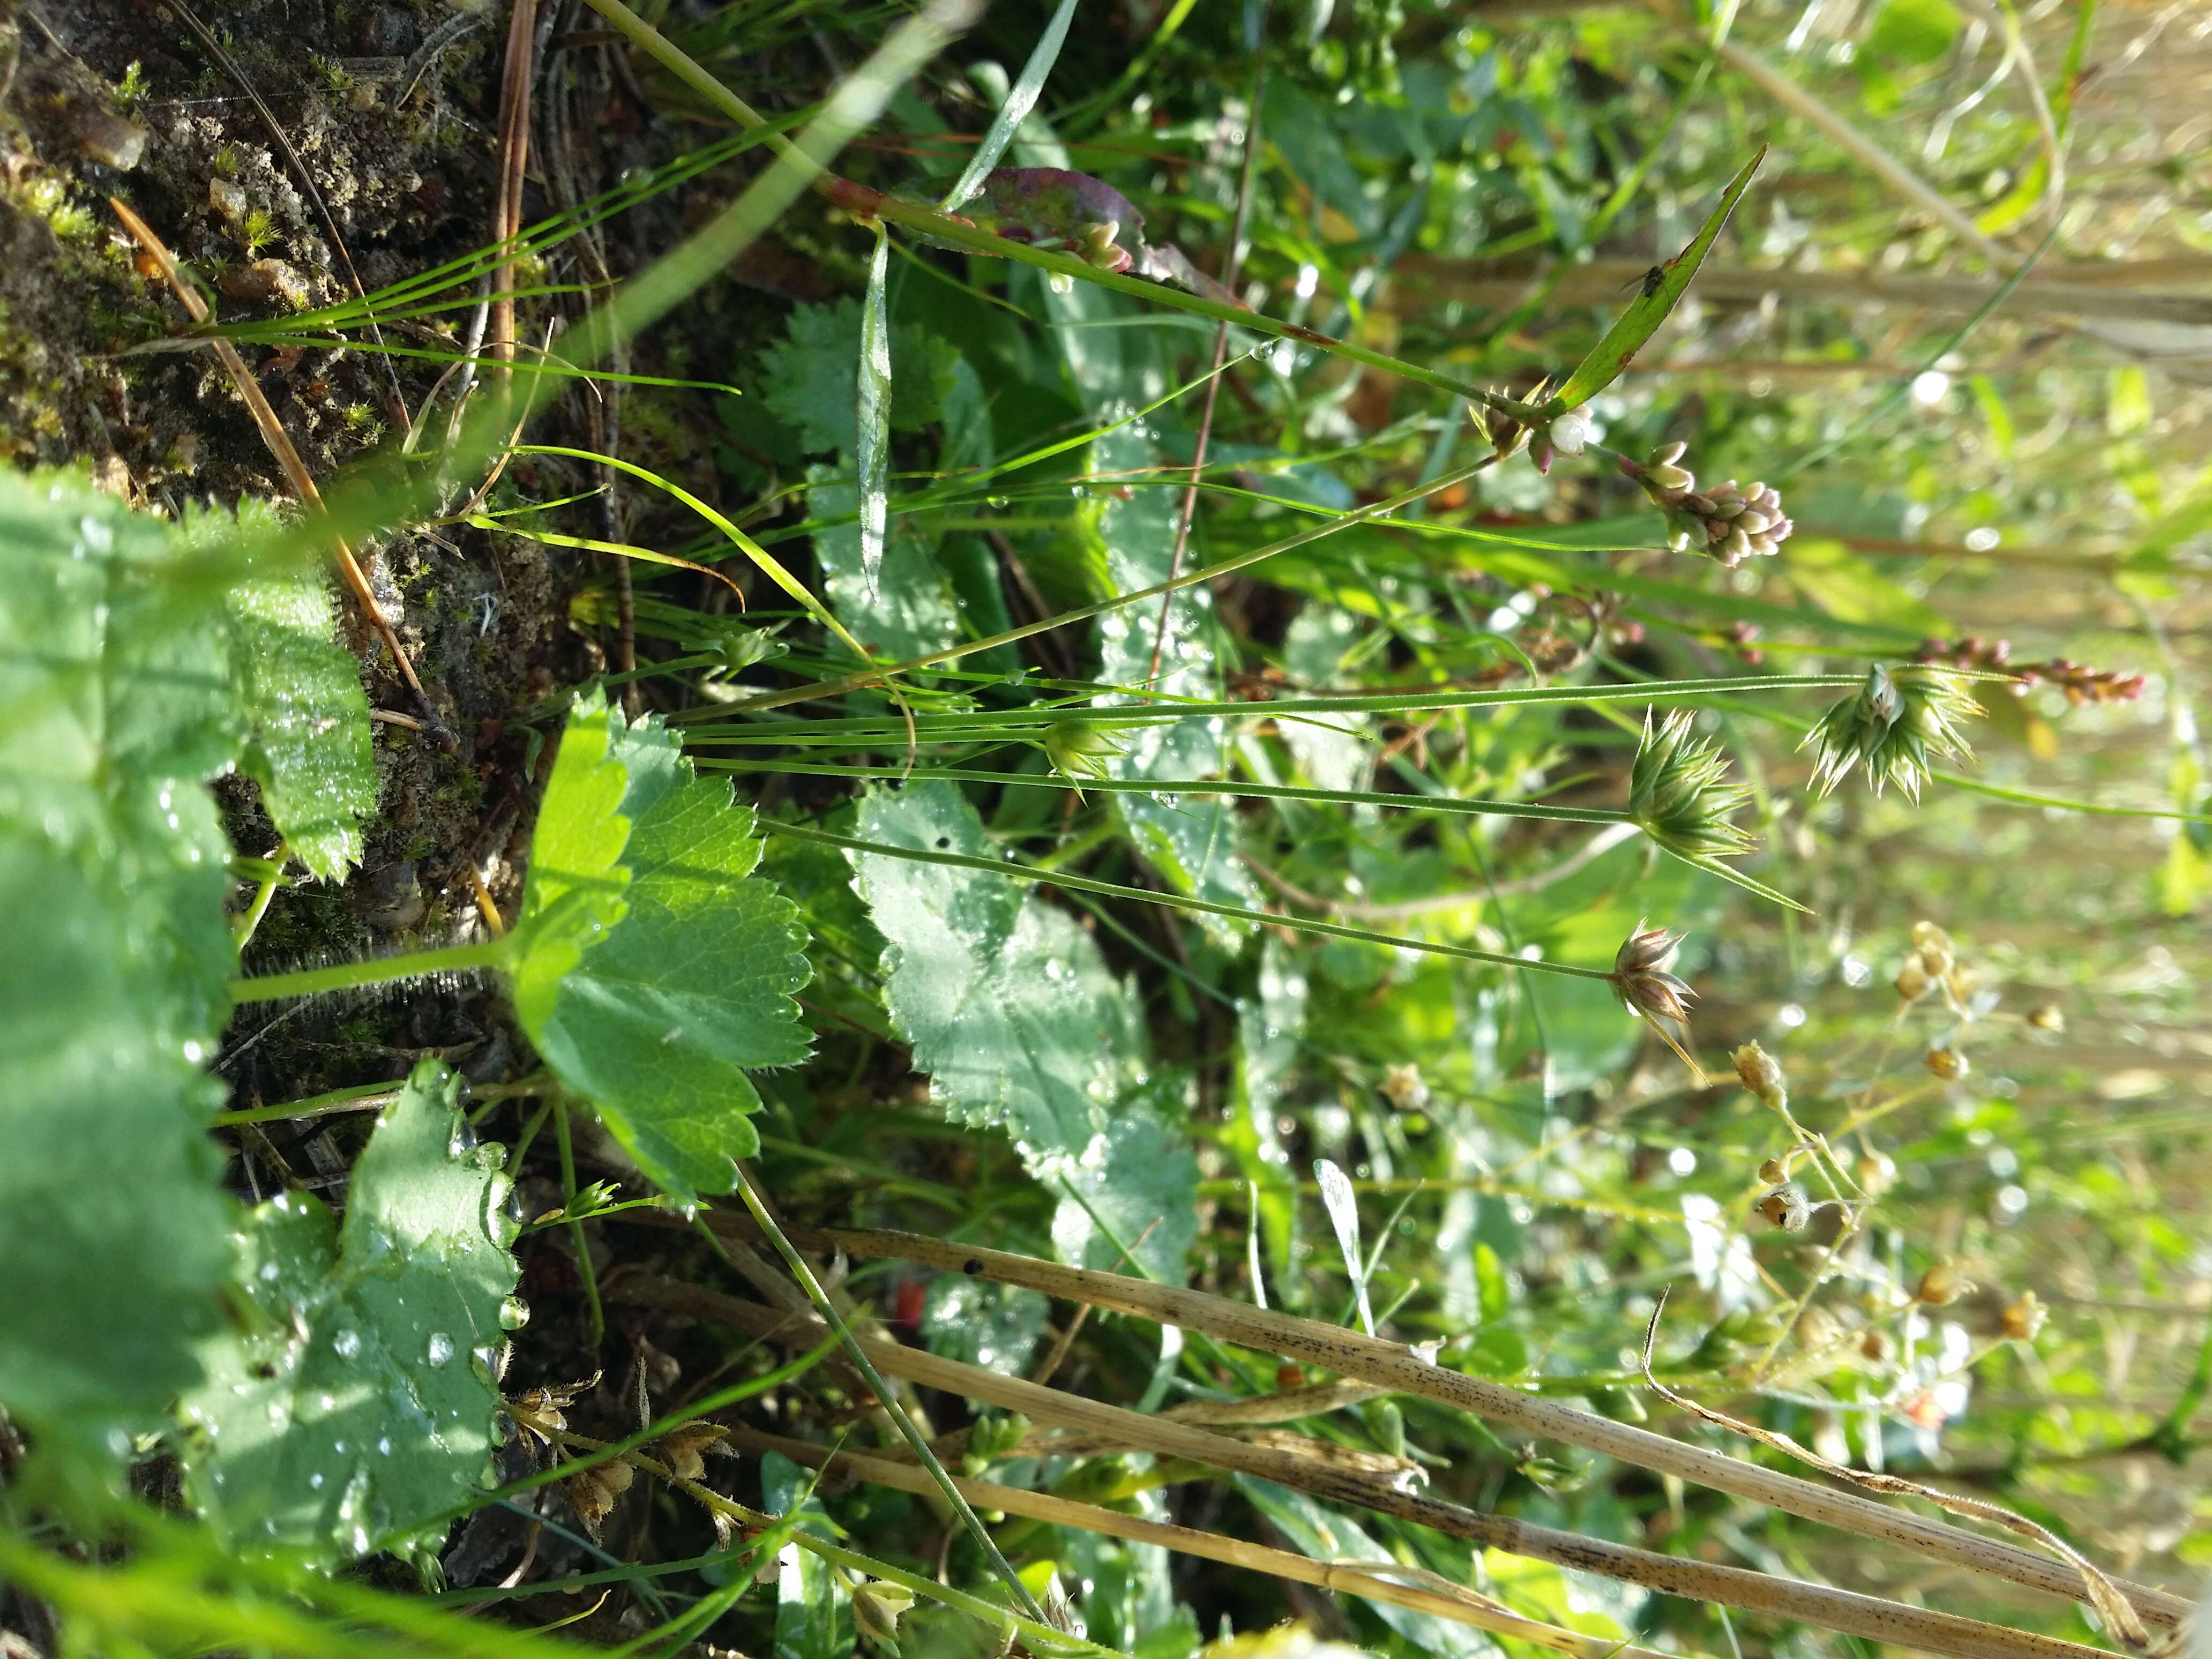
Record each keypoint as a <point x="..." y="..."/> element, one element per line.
<point x="1651" y="308"/>
<point x="1020" y="100"/>
<point x="872" y="452"/>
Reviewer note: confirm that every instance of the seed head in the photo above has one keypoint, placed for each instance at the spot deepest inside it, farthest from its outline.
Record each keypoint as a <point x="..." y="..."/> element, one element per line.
<point x="1732" y="523"/>
<point x="1760" y="1072"/>
<point x="1947" y="1063"/>
<point x="1078" y="750"/>
<point x="1680" y="794"/>
<point x="1774" y="1171"/>
<point x="2023" y="1319"/>
<point x="1942" y="1284"/>
<point x="1402" y="1087"/>
<point x="1785" y="1206"/>
<point x="1640" y="978"/>
<point x="1876" y="1346"/>
<point x="2049" y="1018"/>
<point x="1894" y="724"/>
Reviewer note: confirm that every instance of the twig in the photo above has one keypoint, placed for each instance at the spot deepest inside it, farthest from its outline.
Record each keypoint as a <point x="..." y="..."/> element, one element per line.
<point x="514" y="87"/>
<point x="288" y="458"/>
<point x="212" y="47"/>
<point x="1374" y="1580"/>
<point x="1371" y="1359"/>
<point x="1868" y="1616"/>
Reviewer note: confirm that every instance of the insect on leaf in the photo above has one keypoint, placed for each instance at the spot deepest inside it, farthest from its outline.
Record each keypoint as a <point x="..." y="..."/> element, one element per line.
<point x="657" y="1020"/>
<point x="1653" y="306"/>
<point x="357" y="1401"/>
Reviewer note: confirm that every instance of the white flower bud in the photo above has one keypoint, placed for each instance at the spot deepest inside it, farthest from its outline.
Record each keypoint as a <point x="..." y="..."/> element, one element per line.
<point x="1668" y="455"/>
<point x="1671" y="477"/>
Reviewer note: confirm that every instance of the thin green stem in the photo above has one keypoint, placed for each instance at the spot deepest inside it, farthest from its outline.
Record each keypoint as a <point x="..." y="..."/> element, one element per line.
<point x="371" y="970"/>
<point x="1181" y="902"/>
<point x="1511" y="809"/>
<point x="577" y="1239"/>
<point x="803" y="1273"/>
<point x="249" y="920"/>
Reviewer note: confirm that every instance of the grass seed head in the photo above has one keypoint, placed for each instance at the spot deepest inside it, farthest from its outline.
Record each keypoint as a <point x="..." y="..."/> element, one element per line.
<point x="1895" y="726"/>
<point x="1679" y="792"/>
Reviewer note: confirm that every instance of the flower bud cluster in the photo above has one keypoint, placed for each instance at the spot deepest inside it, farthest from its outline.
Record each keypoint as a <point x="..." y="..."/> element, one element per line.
<point x="2081" y="685"/>
<point x="1730" y="521"/>
<point x="1567" y="432"/>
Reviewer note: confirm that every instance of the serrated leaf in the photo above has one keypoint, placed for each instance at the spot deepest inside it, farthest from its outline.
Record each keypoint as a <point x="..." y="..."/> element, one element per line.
<point x="1011" y="1012"/>
<point x="578" y="882"/>
<point x="1641" y="321"/>
<point x="114" y="711"/>
<point x="357" y="1401"/>
<point x="307" y="733"/>
<point x="112" y="1227"/>
<point x="813" y="379"/>
<point x="660" y="1017"/>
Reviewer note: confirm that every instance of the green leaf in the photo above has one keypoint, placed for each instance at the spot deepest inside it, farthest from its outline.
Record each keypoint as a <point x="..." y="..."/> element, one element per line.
<point x="577" y="878"/>
<point x="1911" y="32"/>
<point x="111" y="1223"/>
<point x="306" y="716"/>
<point x="114" y="711"/>
<point x="1011" y="1012"/>
<point x="357" y="1402"/>
<point x="661" y="1016"/>
<point x="871" y="447"/>
<point x="1641" y="321"/>
<point x="904" y="610"/>
<point x="813" y="379"/>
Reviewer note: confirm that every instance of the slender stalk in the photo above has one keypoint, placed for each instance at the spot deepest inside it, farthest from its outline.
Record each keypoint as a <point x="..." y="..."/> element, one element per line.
<point x="1881" y="1620"/>
<point x="370" y="970"/>
<point x="1510" y="809"/>
<point x="1369" y="1359"/>
<point x="582" y="1246"/>
<point x="1373" y="1580"/>
<point x="1181" y="901"/>
<point x="856" y="1349"/>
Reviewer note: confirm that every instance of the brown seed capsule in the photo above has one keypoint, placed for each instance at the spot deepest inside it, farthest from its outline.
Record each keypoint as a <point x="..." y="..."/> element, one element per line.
<point x="1774" y="1172"/>
<point x="1949" y="1064"/>
<point x="684" y="1449"/>
<point x="1785" y="1207"/>
<point x="2024" y="1318"/>
<point x="2049" y="1018"/>
<point x="592" y="1494"/>
<point x="1942" y="1284"/>
<point x="1912" y="981"/>
<point x="1760" y="1072"/>
<point x="1876" y="1346"/>
<point x="1403" y="1087"/>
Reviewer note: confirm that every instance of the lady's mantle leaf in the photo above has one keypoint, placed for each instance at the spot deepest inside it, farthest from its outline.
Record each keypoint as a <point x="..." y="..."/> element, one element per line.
<point x="358" y="1401"/>
<point x="577" y="878"/>
<point x="1012" y="1013"/>
<point x="659" y="1019"/>
<point x="309" y="740"/>
<point x="114" y="711"/>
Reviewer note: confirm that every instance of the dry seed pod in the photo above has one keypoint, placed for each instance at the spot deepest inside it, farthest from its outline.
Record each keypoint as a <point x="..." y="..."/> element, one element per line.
<point x="1785" y="1207"/>
<point x="1774" y="1171"/>
<point x="2048" y="1017"/>
<point x="1760" y="1072"/>
<point x="1876" y="1346"/>
<point x="683" y="1449"/>
<point x="1403" y="1088"/>
<point x="1912" y="981"/>
<point x="2024" y="1318"/>
<point x="1942" y="1284"/>
<point x="1947" y="1063"/>
<point x="592" y="1493"/>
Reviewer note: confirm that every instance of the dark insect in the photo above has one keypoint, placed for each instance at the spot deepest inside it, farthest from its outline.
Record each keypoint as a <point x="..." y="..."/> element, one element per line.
<point x="1651" y="281"/>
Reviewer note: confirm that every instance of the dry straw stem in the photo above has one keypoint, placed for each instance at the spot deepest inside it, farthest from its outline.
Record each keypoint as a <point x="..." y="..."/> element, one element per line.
<point x="1871" y="1617"/>
<point x="280" y="446"/>
<point x="1370" y="1359"/>
<point x="1373" y="1580"/>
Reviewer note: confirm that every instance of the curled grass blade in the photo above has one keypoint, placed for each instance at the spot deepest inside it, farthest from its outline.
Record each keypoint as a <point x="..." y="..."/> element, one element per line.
<point x="1021" y="98"/>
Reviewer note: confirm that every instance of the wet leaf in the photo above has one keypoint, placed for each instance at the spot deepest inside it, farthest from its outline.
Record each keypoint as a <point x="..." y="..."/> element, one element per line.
<point x="356" y="1400"/>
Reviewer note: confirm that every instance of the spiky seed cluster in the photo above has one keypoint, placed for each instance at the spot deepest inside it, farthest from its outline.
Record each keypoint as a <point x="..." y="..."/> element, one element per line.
<point x="1080" y="750"/>
<point x="1731" y="522"/>
<point x="1679" y="792"/>
<point x="1640" y="978"/>
<point x="1893" y="725"/>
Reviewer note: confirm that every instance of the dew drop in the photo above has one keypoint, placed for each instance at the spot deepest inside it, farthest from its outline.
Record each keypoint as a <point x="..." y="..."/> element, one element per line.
<point x="441" y="1349"/>
<point x="514" y="1314"/>
<point x="315" y="1480"/>
<point x="347" y="1343"/>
